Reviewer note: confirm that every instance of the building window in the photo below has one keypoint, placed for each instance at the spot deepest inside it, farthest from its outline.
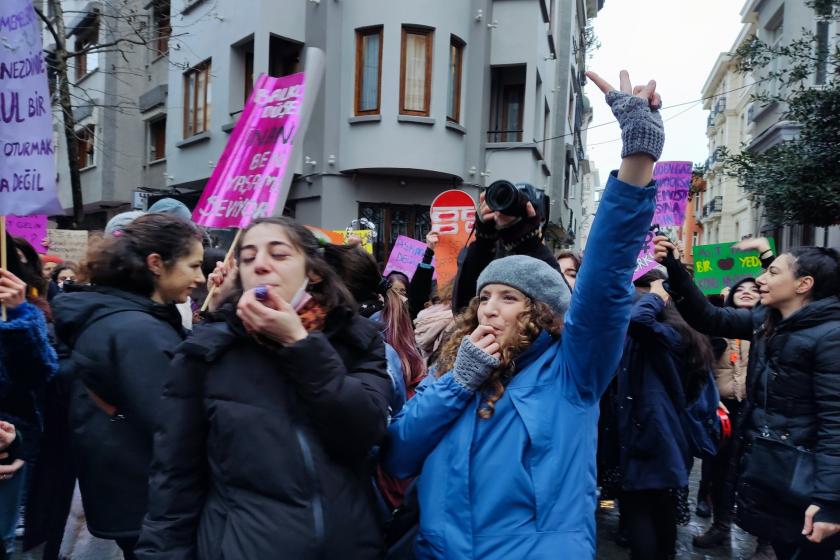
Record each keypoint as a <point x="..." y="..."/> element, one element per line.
<point x="87" y="38"/>
<point x="393" y="220"/>
<point x="85" y="146"/>
<point x="283" y="57"/>
<point x="157" y="139"/>
<point x="161" y="27"/>
<point x="416" y="71"/>
<point x="822" y="53"/>
<point x="248" y="83"/>
<point x="197" y="99"/>
<point x="456" y="64"/>
<point x="507" y="104"/>
<point x="368" y="94"/>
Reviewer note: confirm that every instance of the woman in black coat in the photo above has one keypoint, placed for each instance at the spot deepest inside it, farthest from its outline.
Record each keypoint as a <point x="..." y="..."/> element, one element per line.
<point x="793" y="382"/>
<point x="269" y="416"/>
<point x="117" y="337"/>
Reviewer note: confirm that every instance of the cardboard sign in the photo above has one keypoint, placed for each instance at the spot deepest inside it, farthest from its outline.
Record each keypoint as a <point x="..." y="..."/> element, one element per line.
<point x="719" y="266"/>
<point x="453" y="216"/>
<point x="27" y="152"/>
<point x="406" y="256"/>
<point x="69" y="244"/>
<point x="339" y="236"/>
<point x="673" y="182"/>
<point x="366" y="235"/>
<point x="31" y="228"/>
<point x="645" y="261"/>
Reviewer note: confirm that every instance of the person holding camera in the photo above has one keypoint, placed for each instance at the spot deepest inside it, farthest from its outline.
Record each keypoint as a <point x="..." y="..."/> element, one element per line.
<point x="788" y="486"/>
<point x="502" y="436"/>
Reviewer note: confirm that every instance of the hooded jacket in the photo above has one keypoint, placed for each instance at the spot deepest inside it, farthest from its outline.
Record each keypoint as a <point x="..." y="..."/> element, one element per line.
<point x="654" y="449"/>
<point x="262" y="450"/>
<point x="522" y="483"/>
<point x="118" y="345"/>
<point x="793" y="382"/>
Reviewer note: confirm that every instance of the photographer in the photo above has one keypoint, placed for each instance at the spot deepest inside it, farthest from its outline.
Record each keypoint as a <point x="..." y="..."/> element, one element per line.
<point x="498" y="234"/>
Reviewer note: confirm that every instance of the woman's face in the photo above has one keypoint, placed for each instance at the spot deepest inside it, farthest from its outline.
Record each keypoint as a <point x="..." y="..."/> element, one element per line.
<point x="268" y="257"/>
<point x="177" y="281"/>
<point x="47" y="268"/>
<point x="779" y="287"/>
<point x="568" y="267"/>
<point x="499" y="307"/>
<point x="65" y="275"/>
<point x="399" y="286"/>
<point x="746" y="295"/>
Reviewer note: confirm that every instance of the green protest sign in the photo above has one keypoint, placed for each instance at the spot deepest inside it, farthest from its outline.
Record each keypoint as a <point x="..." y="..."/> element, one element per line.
<point x="718" y="266"/>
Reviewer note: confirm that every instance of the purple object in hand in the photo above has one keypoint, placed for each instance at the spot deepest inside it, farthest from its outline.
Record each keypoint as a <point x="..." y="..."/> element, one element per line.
<point x="261" y="292"/>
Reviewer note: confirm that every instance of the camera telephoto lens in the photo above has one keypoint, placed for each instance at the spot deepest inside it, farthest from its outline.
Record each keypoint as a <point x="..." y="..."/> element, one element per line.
<point x="502" y="196"/>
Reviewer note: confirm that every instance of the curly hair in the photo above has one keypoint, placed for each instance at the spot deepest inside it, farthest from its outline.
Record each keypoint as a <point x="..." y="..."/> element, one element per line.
<point x="535" y="318"/>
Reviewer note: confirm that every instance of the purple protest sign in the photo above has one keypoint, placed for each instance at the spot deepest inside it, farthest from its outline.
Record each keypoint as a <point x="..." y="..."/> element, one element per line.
<point x="645" y="261"/>
<point x="31" y="228"/>
<point x="253" y="173"/>
<point x="27" y="159"/>
<point x="406" y="256"/>
<point x="673" y="181"/>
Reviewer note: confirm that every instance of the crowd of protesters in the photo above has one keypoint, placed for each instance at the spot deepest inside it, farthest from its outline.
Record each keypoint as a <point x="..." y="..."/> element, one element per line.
<point x="316" y="409"/>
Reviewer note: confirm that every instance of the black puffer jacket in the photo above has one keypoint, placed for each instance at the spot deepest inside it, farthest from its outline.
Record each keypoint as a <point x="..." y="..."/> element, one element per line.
<point x="800" y="361"/>
<point x="118" y="345"/>
<point x="262" y="450"/>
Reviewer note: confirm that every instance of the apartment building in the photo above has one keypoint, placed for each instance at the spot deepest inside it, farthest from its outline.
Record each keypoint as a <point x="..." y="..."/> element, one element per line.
<point x="417" y="98"/>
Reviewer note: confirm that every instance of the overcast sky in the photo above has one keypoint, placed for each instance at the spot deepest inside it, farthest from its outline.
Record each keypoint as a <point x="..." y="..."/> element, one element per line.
<point x="675" y="42"/>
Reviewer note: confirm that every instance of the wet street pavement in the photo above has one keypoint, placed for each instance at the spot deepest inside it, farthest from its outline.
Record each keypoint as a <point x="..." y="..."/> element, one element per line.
<point x="741" y="545"/>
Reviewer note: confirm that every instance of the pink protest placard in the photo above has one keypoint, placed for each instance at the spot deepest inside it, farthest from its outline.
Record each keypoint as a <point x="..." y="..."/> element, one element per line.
<point x="253" y="173"/>
<point x="673" y="182"/>
<point x="31" y="228"/>
<point x="645" y="261"/>
<point x="406" y="256"/>
<point x="27" y="157"/>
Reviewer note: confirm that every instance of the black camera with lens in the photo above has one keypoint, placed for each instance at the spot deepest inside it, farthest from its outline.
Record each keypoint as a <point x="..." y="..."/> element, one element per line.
<point x="512" y="199"/>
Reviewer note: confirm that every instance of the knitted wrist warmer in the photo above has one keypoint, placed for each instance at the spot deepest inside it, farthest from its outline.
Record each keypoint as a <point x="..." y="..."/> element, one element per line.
<point x="472" y="365"/>
<point x="642" y="130"/>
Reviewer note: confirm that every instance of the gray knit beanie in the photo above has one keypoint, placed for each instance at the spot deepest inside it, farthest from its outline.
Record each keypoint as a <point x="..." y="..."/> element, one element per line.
<point x="533" y="277"/>
<point x="171" y="207"/>
<point x="121" y="220"/>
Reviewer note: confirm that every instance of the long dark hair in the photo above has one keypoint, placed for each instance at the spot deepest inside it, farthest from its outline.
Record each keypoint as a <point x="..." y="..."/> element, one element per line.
<point x="119" y="261"/>
<point x="360" y="272"/>
<point x="330" y="293"/>
<point x="697" y="359"/>
<point x="31" y="271"/>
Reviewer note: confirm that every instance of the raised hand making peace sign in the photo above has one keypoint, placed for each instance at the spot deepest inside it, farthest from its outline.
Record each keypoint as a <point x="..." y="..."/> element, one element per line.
<point x="642" y="132"/>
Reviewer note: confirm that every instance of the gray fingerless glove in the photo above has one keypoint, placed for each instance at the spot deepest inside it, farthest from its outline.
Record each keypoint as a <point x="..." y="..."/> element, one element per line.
<point x="642" y="130"/>
<point x="472" y="365"/>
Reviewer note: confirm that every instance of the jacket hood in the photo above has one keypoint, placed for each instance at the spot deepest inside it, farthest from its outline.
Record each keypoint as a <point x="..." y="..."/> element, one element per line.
<point x="813" y="314"/>
<point x="76" y="309"/>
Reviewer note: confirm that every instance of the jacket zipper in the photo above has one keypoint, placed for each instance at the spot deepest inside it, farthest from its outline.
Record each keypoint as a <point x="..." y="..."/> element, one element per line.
<point x="317" y="501"/>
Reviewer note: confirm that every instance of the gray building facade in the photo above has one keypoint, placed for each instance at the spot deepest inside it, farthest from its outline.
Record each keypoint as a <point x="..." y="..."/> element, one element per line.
<point x="417" y="98"/>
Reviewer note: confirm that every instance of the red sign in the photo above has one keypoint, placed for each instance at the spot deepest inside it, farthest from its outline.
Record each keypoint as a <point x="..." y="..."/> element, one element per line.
<point x="453" y="215"/>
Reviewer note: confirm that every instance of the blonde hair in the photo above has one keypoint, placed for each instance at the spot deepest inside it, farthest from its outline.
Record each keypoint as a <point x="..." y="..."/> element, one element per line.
<point x="535" y="318"/>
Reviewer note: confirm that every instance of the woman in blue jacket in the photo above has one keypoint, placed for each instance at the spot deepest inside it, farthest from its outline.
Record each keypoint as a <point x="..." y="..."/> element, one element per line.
<point x="666" y="365"/>
<point x="503" y="440"/>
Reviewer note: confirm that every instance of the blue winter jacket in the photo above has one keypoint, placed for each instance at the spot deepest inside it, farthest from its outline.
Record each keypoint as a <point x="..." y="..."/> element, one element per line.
<point x="522" y="483"/>
<point x="655" y="452"/>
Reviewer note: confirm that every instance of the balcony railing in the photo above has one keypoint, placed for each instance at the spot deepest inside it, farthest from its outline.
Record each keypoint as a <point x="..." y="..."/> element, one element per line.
<point x="494" y="136"/>
<point x="715" y="206"/>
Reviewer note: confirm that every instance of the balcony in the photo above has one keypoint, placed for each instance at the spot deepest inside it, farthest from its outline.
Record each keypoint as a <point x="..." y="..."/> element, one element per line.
<point x="713" y="208"/>
<point x="494" y="136"/>
<point x="715" y="157"/>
